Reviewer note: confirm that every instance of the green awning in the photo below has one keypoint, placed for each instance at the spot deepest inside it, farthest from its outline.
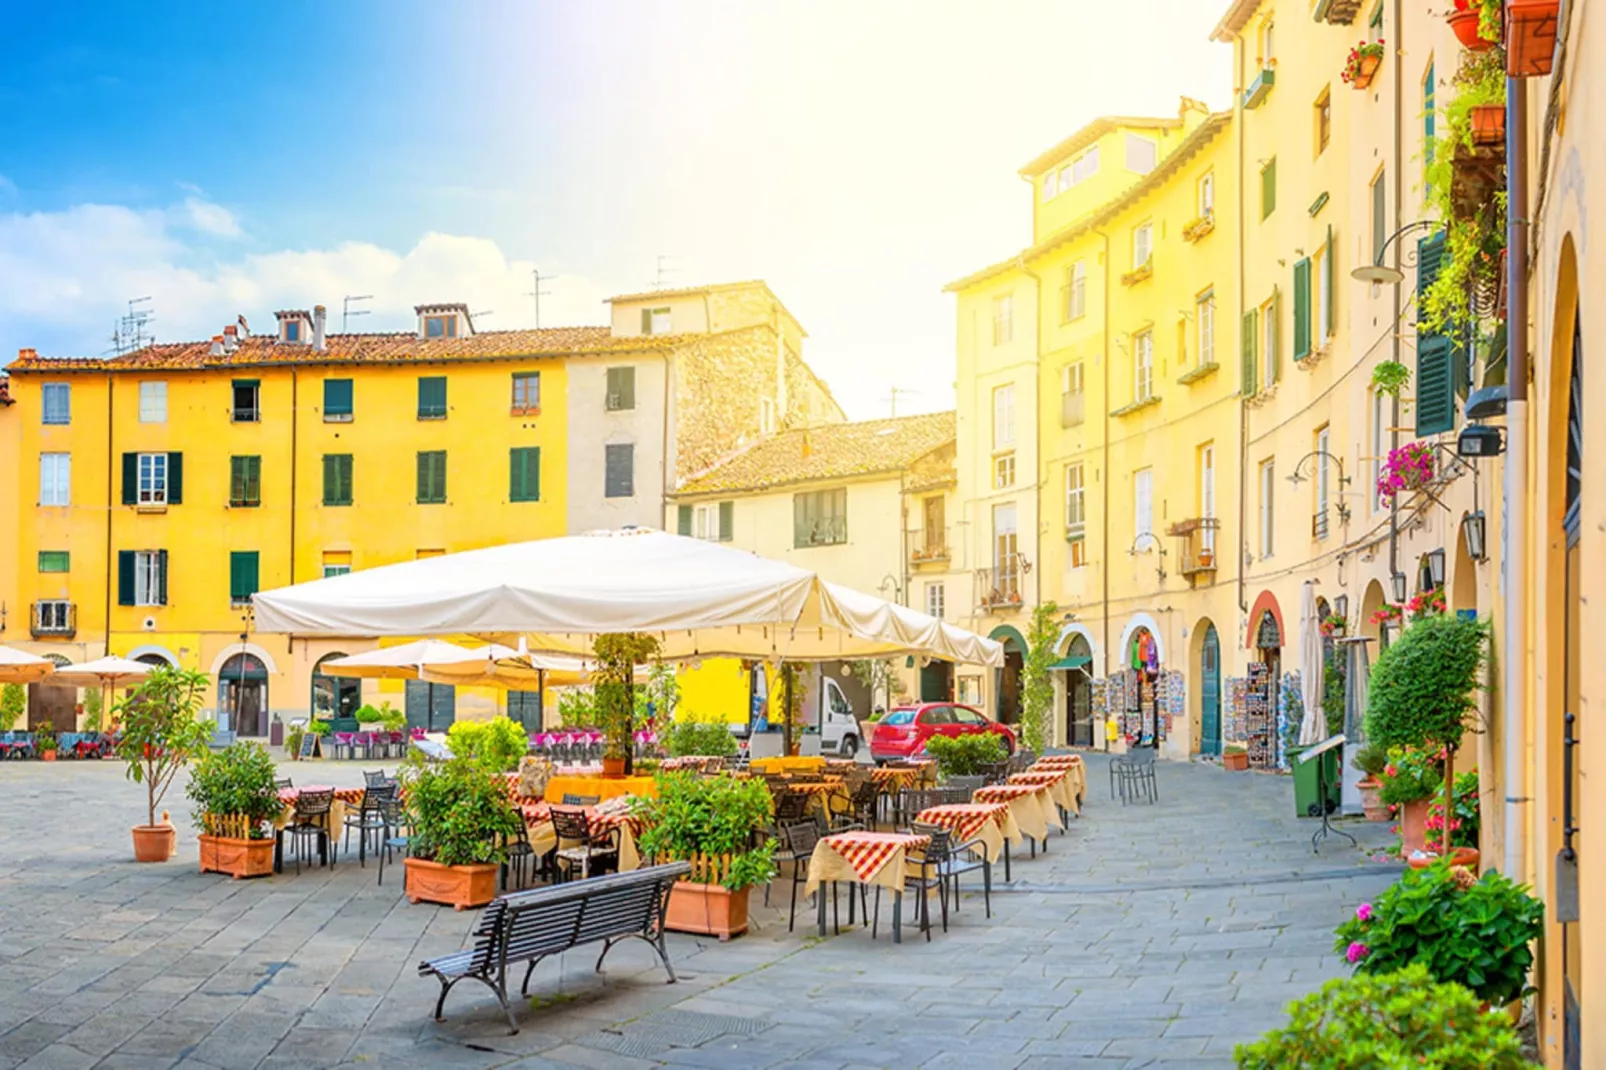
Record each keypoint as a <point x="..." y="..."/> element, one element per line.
<point x="1074" y="661"/>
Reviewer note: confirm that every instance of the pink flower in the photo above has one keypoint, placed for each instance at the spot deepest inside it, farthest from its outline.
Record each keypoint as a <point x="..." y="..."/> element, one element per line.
<point x="1364" y="912"/>
<point x="1356" y="952"/>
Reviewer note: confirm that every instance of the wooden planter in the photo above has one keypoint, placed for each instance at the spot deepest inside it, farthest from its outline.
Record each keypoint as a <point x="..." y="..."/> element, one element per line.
<point x="1365" y="71"/>
<point x="1530" y="37"/>
<point x="707" y="910"/>
<point x="154" y="843"/>
<point x="1235" y="761"/>
<point x="458" y="887"/>
<point x="237" y="858"/>
<point x="1489" y="125"/>
<point x="1465" y="25"/>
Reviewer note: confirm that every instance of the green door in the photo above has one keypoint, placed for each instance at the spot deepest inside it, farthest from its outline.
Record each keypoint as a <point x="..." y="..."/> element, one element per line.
<point x="1210" y="693"/>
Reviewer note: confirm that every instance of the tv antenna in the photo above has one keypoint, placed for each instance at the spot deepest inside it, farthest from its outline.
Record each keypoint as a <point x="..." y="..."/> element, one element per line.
<point x="346" y="311"/>
<point x="537" y="293"/>
<point x="472" y="316"/>
<point x="665" y="269"/>
<point x="893" y="398"/>
<point x="130" y="335"/>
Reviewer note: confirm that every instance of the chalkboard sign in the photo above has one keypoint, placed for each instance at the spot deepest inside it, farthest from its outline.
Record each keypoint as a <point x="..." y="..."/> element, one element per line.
<point x="311" y="747"/>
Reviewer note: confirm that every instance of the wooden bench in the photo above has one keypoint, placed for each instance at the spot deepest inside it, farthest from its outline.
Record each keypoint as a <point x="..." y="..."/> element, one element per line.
<point x="528" y="926"/>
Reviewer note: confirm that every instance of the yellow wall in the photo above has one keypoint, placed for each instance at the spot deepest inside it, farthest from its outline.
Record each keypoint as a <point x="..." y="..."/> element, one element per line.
<point x="16" y="618"/>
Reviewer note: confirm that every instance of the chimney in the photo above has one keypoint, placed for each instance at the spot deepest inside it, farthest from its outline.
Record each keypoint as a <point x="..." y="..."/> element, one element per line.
<point x="27" y="354"/>
<point x="217" y="345"/>
<point x="319" y="315"/>
<point x="231" y="338"/>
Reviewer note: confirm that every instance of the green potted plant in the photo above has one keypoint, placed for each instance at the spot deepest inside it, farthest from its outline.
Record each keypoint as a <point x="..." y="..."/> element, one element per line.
<point x="614" y="680"/>
<point x="1409" y="779"/>
<point x="1464" y="824"/>
<point x="1370" y="761"/>
<point x="13" y="704"/>
<point x="460" y="819"/>
<point x="966" y="755"/>
<point x="702" y="735"/>
<point x="162" y="732"/>
<point x="236" y="801"/>
<point x="1401" y="1018"/>
<point x="1234" y="758"/>
<point x="713" y="823"/>
<point x="44" y="742"/>
<point x="1474" y="931"/>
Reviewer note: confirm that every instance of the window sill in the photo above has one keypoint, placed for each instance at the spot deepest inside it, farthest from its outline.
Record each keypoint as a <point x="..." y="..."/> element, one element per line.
<point x="245" y="505"/>
<point x="336" y="505"/>
<point x="1205" y="224"/>
<point x="1203" y="371"/>
<point x="149" y="508"/>
<point x="239" y="603"/>
<point x="338" y="418"/>
<point x="432" y="416"/>
<point x="431" y="501"/>
<point x="1139" y="274"/>
<point x="817" y="545"/>
<point x="1137" y="406"/>
<point x="237" y="418"/>
<point x="1315" y="357"/>
<point x="522" y="501"/>
<point x="526" y="410"/>
<point x="1262" y="397"/>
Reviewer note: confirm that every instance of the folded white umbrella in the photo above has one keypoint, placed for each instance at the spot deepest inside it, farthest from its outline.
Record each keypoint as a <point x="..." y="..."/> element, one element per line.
<point x="17" y="667"/>
<point x="1312" y="678"/>
<point x="698" y="598"/>
<point x="102" y="672"/>
<point x="406" y="662"/>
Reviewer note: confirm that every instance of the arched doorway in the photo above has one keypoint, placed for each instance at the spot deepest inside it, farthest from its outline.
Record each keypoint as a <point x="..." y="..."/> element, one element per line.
<point x="154" y="660"/>
<point x="1006" y="698"/>
<point x="242" y="696"/>
<point x="1078" y="692"/>
<point x="1564" y="730"/>
<point x="334" y="696"/>
<point x="1136" y="696"/>
<point x="1210" y="692"/>
<point x="1263" y="690"/>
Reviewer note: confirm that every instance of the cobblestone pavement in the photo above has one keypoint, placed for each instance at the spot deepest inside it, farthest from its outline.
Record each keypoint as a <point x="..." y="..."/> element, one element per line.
<point x="1147" y="936"/>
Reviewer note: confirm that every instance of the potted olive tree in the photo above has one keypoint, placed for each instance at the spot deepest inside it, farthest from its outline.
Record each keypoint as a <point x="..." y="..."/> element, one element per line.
<point x="713" y="824"/>
<point x="162" y="731"/>
<point x="236" y="801"/>
<point x="460" y="818"/>
<point x="614" y="678"/>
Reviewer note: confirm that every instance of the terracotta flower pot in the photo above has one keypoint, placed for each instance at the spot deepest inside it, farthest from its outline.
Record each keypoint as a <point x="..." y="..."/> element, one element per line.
<point x="1530" y="37"/>
<point x="1413" y="826"/>
<point x="1489" y="124"/>
<point x="458" y="887"/>
<point x="47" y="756"/>
<point x="1235" y="761"/>
<point x="237" y="858"/>
<point x="154" y="843"/>
<point x="1370" y="801"/>
<point x="1365" y="71"/>
<point x="1465" y="25"/>
<point x="613" y="767"/>
<point x="707" y="909"/>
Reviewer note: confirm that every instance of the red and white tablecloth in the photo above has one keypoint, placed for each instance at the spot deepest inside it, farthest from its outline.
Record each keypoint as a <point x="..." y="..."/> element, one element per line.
<point x="1031" y="805"/>
<point x="543" y="836"/>
<point x="336" y="820"/>
<point x="1072" y="764"/>
<point x="1057" y="781"/>
<point x="879" y="858"/>
<point x="991" y="823"/>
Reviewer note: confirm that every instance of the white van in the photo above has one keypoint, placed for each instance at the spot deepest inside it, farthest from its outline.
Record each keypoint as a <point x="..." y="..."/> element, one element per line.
<point x="834" y="723"/>
<point x="839" y="728"/>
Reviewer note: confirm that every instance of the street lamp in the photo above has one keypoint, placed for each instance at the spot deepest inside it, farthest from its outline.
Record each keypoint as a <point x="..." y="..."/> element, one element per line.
<point x="1397" y="581"/>
<point x="1379" y="273"/>
<point x="1137" y="549"/>
<point x="1436" y="568"/>
<point x="1472" y="529"/>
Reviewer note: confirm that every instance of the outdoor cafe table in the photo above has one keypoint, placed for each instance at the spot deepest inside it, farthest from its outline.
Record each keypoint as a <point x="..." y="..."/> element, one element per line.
<point x="1058" y="783"/>
<point x="878" y="858"/>
<point x="333" y="821"/>
<point x="601" y="787"/>
<point x="794" y="764"/>
<point x="830" y="792"/>
<point x="892" y="781"/>
<point x="1070" y="762"/>
<point x="543" y="837"/>
<point x="1031" y="805"/>
<point x="991" y="823"/>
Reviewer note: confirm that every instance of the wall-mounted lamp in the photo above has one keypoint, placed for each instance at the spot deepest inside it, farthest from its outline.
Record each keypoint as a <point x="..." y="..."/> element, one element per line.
<point x="1436" y="568"/>
<point x="1472" y="529"/>
<point x="1397" y="581"/>
<point x="1141" y="543"/>
<point x="1341" y="606"/>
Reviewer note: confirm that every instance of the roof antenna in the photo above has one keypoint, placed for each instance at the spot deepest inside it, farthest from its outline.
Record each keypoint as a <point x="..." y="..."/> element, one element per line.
<point x="130" y="335"/>
<point x="893" y="398"/>
<point x="537" y="293"/>
<point x="665" y="269"/>
<point x="346" y="311"/>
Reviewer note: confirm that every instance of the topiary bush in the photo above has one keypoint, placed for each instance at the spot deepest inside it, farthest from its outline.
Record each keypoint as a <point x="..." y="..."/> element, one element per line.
<point x="1424" y="685"/>
<point x="1388" y="1021"/>
<point x="966" y="755"/>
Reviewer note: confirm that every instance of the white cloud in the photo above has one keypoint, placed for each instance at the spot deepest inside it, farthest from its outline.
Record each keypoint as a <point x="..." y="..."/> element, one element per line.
<point x="66" y="276"/>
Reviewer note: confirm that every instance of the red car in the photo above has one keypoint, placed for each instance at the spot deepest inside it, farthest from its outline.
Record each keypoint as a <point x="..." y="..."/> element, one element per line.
<point x="903" y="731"/>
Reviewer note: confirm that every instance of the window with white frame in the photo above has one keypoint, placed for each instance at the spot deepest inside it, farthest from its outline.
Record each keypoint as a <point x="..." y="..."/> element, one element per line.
<point x="1082" y="168"/>
<point x="153" y="402"/>
<point x="656" y="321"/>
<point x="1324" y="295"/>
<point x="1074" y="302"/>
<point x="1075" y="502"/>
<point x="1322" y="440"/>
<point x="1268" y="44"/>
<point x="1004" y="471"/>
<point x="1268" y="343"/>
<point x="153" y="479"/>
<point x="1207" y="495"/>
<point x="150" y="585"/>
<point x="55" y="479"/>
<point x="936" y="601"/>
<point x="55" y="403"/>
<point x="1071" y="378"/>
<point x="1003" y="319"/>
<point x="1204" y="322"/>
<point x="1141" y="154"/>
<point x="1004" y="417"/>
<point x="1143" y="507"/>
<point x="705" y="521"/>
<point x="1268" y="508"/>
<point x="1379" y="435"/>
<point x="1143" y="366"/>
<point x="1142" y="245"/>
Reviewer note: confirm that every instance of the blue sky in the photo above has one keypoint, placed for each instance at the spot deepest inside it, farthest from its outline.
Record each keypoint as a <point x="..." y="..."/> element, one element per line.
<point x="231" y="159"/>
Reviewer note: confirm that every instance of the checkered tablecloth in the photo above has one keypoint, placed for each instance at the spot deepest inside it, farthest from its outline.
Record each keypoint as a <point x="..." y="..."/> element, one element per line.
<point x="1057" y="781"/>
<point x="892" y="781"/>
<point x="543" y="836"/>
<point x="1031" y="805"/>
<point x="991" y="823"/>
<point x="867" y="857"/>
<point x="336" y="820"/>
<point x="1072" y="765"/>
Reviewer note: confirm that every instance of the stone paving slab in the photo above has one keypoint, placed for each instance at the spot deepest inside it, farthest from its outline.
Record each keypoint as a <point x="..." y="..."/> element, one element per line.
<point x="1146" y="936"/>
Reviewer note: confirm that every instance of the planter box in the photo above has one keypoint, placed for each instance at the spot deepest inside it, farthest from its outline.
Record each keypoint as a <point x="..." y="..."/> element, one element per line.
<point x="237" y="858"/>
<point x="1235" y="762"/>
<point x="1371" y="803"/>
<point x="1365" y="71"/>
<point x="458" y="887"/>
<point x="707" y="910"/>
<point x="1530" y="37"/>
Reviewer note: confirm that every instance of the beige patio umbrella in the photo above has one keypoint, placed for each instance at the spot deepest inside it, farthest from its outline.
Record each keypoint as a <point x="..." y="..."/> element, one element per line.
<point x="404" y="662"/>
<point x="108" y="673"/>
<point x="17" y="667"/>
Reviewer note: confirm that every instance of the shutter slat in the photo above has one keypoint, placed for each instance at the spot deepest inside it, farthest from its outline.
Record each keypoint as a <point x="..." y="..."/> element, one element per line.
<point x="1302" y="317"/>
<point x="683" y="520"/>
<point x="1435" y="388"/>
<point x="1276" y="314"/>
<point x="161" y="577"/>
<point x="175" y="479"/>
<point x="1329" y="312"/>
<point x="1251" y="327"/>
<point x="130" y="481"/>
<point x="125" y="577"/>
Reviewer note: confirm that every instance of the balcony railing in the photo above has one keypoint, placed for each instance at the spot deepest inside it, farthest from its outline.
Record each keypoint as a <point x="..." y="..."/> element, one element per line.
<point x="999" y="588"/>
<point x="54" y="619"/>
<point x="928" y="546"/>
<point x="1318" y="524"/>
<point x="1072" y="407"/>
<point x="1198" y="538"/>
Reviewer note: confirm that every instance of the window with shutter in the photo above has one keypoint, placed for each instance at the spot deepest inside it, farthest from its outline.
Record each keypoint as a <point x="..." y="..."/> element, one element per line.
<point x="130" y="479"/>
<point x="1435" y="353"/>
<point x="619" y="475"/>
<point x="175" y="479"/>
<point x="337" y="400"/>
<point x="245" y="482"/>
<point x="1302" y="310"/>
<point x="125" y="577"/>
<point x="621" y="389"/>
<point x="820" y="518"/>
<point x="727" y="520"/>
<point x="247" y="395"/>
<point x="431" y="477"/>
<point x="1268" y="188"/>
<point x="683" y="517"/>
<point x="432" y="397"/>
<point x="525" y="480"/>
<point x="243" y="576"/>
<point x="337" y="479"/>
<point x="1251" y="331"/>
<point x="1271" y="314"/>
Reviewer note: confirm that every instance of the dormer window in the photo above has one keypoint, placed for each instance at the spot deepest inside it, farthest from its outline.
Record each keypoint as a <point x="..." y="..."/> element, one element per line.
<point x="295" y="327"/>
<point x="440" y="326"/>
<point x="656" y="321"/>
<point x="444" y="321"/>
<point x="292" y="331"/>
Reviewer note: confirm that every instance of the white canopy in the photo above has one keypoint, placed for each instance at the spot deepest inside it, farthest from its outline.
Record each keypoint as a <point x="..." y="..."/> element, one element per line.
<point x="405" y="662"/>
<point x="440" y="662"/>
<point x="102" y="672"/>
<point x="17" y="667"/>
<point x="698" y="598"/>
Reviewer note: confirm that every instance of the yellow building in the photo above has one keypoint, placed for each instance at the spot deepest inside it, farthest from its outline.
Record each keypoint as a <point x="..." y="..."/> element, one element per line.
<point x="167" y="485"/>
<point x="12" y="619"/>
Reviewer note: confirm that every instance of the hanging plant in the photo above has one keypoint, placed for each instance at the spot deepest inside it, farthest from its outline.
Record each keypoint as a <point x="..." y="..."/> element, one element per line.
<point x="1407" y="469"/>
<point x="1390" y="378"/>
<point x="1362" y="63"/>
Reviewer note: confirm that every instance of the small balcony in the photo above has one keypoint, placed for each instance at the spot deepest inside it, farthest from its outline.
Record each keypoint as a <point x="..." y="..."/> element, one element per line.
<point x="1073" y="408"/>
<point x="1198" y="545"/>
<point x="999" y="588"/>
<point x="929" y="547"/>
<point x="54" y="619"/>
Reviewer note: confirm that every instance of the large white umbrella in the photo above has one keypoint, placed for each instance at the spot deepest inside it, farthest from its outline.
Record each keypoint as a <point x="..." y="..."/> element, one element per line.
<point x="698" y="599"/>
<point x="406" y="662"/>
<point x="1312" y="677"/>
<point x="17" y="667"/>
<point x="440" y="662"/>
<point x="107" y="673"/>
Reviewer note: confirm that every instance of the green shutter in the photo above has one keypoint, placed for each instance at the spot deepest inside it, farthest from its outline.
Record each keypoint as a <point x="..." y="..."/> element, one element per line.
<point x="243" y="575"/>
<point x="337" y="397"/>
<point x="337" y="479"/>
<point x="683" y="520"/>
<point x="1429" y="259"/>
<point x="1330" y="312"/>
<point x="524" y="478"/>
<point x="1276" y="314"/>
<point x="1268" y="188"/>
<point x="1302" y="318"/>
<point x="423" y="472"/>
<point x="55" y="561"/>
<point x="646" y="321"/>
<point x="125" y="577"/>
<point x="175" y="479"/>
<point x="800" y="520"/>
<point x="431" y="397"/>
<point x="1251" y="328"/>
<point x="1435" y="386"/>
<point x="431" y="477"/>
<point x="161" y="577"/>
<point x="130" y="483"/>
<point x="727" y="520"/>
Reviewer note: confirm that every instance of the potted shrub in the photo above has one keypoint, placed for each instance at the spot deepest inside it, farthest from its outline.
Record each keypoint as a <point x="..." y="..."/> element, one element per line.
<point x="460" y="818"/>
<point x="236" y="799"/>
<point x="614" y="688"/>
<point x="713" y="823"/>
<point x="13" y="704"/>
<point x="704" y="736"/>
<point x="1409" y="780"/>
<point x="162" y="731"/>
<point x="1474" y="931"/>
<point x="1370" y="761"/>
<point x="1409" y="468"/>
<point x="1466" y="20"/>
<point x="1234" y="759"/>
<point x="1361" y="65"/>
<point x="966" y="755"/>
<point x="44" y="742"/>
<point x="1402" y="1018"/>
<point x="497" y="744"/>
<point x="1464" y="824"/>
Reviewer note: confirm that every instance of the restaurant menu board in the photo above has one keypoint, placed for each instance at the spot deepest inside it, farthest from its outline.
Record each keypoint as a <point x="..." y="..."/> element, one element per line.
<point x="311" y="746"/>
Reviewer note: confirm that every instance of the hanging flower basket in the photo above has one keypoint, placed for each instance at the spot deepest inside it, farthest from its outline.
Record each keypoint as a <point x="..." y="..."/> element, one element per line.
<point x="1363" y="62"/>
<point x="1530" y="37"/>
<point x="1489" y="125"/>
<point x="1407" y="469"/>
<point x="1465" y="25"/>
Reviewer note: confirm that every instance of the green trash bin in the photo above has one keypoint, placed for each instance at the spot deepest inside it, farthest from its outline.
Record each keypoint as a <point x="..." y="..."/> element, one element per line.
<point x="1305" y="781"/>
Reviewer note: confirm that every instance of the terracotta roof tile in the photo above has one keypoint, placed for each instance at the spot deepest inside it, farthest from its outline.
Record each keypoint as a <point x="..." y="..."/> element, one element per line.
<point x="399" y="348"/>
<point x="688" y="291"/>
<point x="830" y="451"/>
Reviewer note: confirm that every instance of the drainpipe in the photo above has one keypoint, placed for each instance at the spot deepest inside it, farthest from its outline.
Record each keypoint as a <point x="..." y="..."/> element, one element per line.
<point x="1243" y="302"/>
<point x="1399" y="197"/>
<point x="1514" y="524"/>
<point x="111" y="556"/>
